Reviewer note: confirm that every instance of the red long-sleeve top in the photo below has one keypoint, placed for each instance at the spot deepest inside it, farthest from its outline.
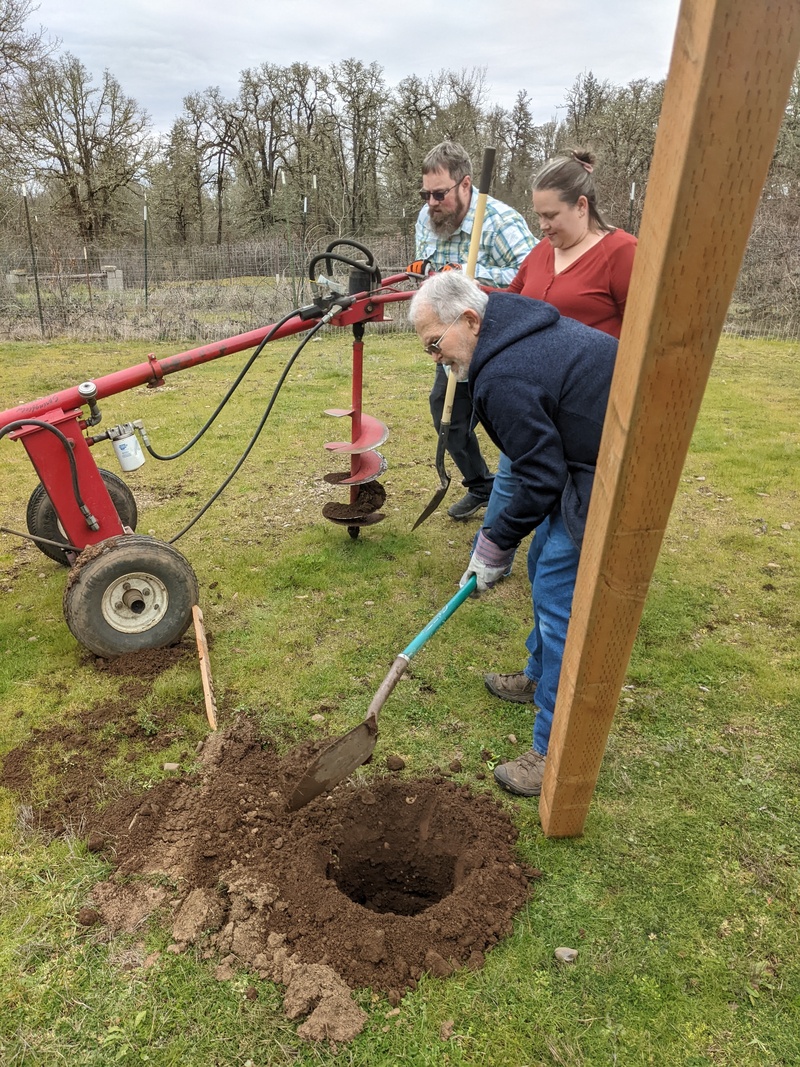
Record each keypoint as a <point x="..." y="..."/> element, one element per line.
<point x="592" y="290"/>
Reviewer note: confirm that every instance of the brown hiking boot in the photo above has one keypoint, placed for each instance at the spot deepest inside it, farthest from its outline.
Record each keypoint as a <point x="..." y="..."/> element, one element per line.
<point x="522" y="775"/>
<point x="518" y="688"/>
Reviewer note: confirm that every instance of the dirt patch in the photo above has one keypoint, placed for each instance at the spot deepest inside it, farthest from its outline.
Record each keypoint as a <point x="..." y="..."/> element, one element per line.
<point x="73" y="758"/>
<point x="372" y="885"/>
<point x="370" y="498"/>
<point x="147" y="664"/>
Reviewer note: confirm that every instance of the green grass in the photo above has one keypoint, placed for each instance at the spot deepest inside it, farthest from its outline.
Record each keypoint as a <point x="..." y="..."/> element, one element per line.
<point x="682" y="896"/>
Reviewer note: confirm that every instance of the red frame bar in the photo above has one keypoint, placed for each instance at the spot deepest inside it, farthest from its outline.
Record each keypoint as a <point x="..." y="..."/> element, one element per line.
<point x="367" y="308"/>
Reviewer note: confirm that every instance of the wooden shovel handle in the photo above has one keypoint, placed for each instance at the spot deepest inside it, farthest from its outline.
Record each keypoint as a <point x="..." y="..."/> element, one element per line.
<point x="472" y="260"/>
<point x="480" y="209"/>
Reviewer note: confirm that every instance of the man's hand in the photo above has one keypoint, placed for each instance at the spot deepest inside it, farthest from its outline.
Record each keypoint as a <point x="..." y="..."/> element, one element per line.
<point x="422" y="267"/>
<point x="451" y="266"/>
<point x="488" y="563"/>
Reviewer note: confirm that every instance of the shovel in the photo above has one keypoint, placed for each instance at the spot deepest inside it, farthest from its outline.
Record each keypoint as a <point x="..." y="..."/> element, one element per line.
<point x="345" y="754"/>
<point x="449" y="396"/>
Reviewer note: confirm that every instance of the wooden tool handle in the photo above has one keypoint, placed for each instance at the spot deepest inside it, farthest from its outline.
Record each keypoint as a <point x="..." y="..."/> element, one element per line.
<point x="205" y="667"/>
<point x="480" y="209"/>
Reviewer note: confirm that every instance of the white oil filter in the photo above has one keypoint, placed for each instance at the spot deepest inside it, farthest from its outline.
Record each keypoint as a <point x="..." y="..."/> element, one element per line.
<point x="126" y="445"/>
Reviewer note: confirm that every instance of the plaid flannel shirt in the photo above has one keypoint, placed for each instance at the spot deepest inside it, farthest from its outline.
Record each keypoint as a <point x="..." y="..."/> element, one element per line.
<point x="505" y="242"/>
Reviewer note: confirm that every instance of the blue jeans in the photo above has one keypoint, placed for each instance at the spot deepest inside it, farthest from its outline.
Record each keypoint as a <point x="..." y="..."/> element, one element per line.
<point x="502" y="491"/>
<point x="552" y="569"/>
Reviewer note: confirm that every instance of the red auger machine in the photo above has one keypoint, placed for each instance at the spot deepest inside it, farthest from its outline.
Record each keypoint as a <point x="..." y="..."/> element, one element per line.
<point x="126" y="592"/>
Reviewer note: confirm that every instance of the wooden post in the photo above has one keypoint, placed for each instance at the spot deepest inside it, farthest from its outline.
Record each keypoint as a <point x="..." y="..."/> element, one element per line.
<point x="729" y="79"/>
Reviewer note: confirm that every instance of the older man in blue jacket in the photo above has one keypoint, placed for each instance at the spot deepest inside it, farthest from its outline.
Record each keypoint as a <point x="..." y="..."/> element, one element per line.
<point x="539" y="385"/>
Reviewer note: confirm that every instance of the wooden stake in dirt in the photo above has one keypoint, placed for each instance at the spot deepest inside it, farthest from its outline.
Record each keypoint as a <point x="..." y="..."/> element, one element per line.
<point x="729" y="79"/>
<point x="205" y="667"/>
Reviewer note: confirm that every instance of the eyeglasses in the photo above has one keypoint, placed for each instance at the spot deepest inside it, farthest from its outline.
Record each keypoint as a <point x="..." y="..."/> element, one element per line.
<point x="435" y="347"/>
<point x="438" y="194"/>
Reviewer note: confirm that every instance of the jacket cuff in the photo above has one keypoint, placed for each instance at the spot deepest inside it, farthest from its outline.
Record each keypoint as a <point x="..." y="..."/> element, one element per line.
<point x="490" y="553"/>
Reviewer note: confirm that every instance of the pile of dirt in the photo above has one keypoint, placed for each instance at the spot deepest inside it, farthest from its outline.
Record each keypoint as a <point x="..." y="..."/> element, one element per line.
<point x="372" y="885"/>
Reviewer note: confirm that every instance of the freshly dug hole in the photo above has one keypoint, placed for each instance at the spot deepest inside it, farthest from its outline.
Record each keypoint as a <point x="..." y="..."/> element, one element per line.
<point x="381" y="883"/>
<point x="376" y="884"/>
<point x="393" y="866"/>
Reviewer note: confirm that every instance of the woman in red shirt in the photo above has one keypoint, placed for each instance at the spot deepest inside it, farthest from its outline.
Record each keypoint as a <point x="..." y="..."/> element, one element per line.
<point x="583" y="265"/>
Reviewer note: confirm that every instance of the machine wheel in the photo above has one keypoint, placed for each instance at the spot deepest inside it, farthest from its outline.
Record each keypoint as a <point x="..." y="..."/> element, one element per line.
<point x="42" y="521"/>
<point x="129" y="593"/>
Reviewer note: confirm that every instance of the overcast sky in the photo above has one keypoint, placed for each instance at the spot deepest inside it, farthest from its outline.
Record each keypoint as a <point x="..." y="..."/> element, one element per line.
<point x="161" y="50"/>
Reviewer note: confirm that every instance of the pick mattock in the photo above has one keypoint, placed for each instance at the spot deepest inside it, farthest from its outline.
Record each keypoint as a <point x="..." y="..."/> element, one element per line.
<point x="472" y="259"/>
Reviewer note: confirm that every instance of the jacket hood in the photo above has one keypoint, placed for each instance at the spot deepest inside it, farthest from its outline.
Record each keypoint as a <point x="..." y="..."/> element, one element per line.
<point x="508" y="319"/>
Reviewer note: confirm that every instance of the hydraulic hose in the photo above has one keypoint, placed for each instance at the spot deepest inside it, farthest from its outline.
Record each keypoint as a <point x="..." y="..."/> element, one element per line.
<point x="237" y="382"/>
<point x="333" y="311"/>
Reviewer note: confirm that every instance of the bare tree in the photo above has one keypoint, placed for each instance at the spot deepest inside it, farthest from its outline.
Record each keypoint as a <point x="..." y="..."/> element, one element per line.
<point x="356" y="98"/>
<point x="259" y="142"/>
<point x="768" y="287"/>
<point x="178" y="184"/>
<point x="461" y="115"/>
<point x="407" y="129"/>
<point x="784" y="175"/>
<point x="626" y="135"/>
<point x="586" y="101"/>
<point x="19" y="47"/>
<point x="307" y="162"/>
<point x="82" y="142"/>
<point x="520" y="141"/>
<point x="224" y="122"/>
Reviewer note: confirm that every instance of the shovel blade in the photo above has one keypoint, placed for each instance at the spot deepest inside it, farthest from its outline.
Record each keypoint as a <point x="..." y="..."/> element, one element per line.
<point x="434" y="502"/>
<point x="334" y="764"/>
<point x="444" y="477"/>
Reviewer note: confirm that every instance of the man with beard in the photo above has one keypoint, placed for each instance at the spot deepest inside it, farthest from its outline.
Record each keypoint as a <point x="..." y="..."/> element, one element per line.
<point x="443" y="233"/>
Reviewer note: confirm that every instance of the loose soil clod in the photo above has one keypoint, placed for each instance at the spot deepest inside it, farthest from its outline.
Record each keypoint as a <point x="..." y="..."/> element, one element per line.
<point x="370" y="498"/>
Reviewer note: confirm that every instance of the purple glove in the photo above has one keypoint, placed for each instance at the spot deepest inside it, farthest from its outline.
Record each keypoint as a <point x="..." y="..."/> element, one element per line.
<point x="488" y="563"/>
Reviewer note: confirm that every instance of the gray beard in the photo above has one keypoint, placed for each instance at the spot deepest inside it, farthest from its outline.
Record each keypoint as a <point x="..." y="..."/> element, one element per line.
<point x="443" y="227"/>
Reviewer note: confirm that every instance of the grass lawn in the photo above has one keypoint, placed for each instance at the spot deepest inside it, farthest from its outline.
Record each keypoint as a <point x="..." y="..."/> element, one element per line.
<point x="681" y="897"/>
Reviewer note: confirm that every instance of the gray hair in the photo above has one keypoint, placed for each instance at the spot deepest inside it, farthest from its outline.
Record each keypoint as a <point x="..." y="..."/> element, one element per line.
<point x="449" y="156"/>
<point x="446" y="295"/>
<point x="572" y="176"/>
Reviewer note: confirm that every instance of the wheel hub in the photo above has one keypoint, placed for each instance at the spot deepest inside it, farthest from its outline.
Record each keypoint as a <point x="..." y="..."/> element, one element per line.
<point x="135" y="602"/>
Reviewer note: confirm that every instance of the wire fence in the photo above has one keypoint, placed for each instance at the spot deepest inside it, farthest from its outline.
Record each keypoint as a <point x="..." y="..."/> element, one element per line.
<point x="206" y="293"/>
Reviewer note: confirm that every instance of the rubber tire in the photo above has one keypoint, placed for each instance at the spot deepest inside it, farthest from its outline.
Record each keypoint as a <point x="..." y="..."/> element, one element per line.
<point x="42" y="521"/>
<point x="103" y="567"/>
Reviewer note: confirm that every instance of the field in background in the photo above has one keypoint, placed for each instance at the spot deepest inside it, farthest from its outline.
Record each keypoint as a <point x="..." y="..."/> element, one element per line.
<point x="206" y="293"/>
<point x="682" y="896"/>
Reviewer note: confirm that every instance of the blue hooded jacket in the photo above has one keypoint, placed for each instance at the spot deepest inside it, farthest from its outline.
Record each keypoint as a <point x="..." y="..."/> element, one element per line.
<point x="540" y="386"/>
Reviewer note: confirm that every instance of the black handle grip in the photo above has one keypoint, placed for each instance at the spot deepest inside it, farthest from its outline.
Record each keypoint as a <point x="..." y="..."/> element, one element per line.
<point x="486" y="169"/>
